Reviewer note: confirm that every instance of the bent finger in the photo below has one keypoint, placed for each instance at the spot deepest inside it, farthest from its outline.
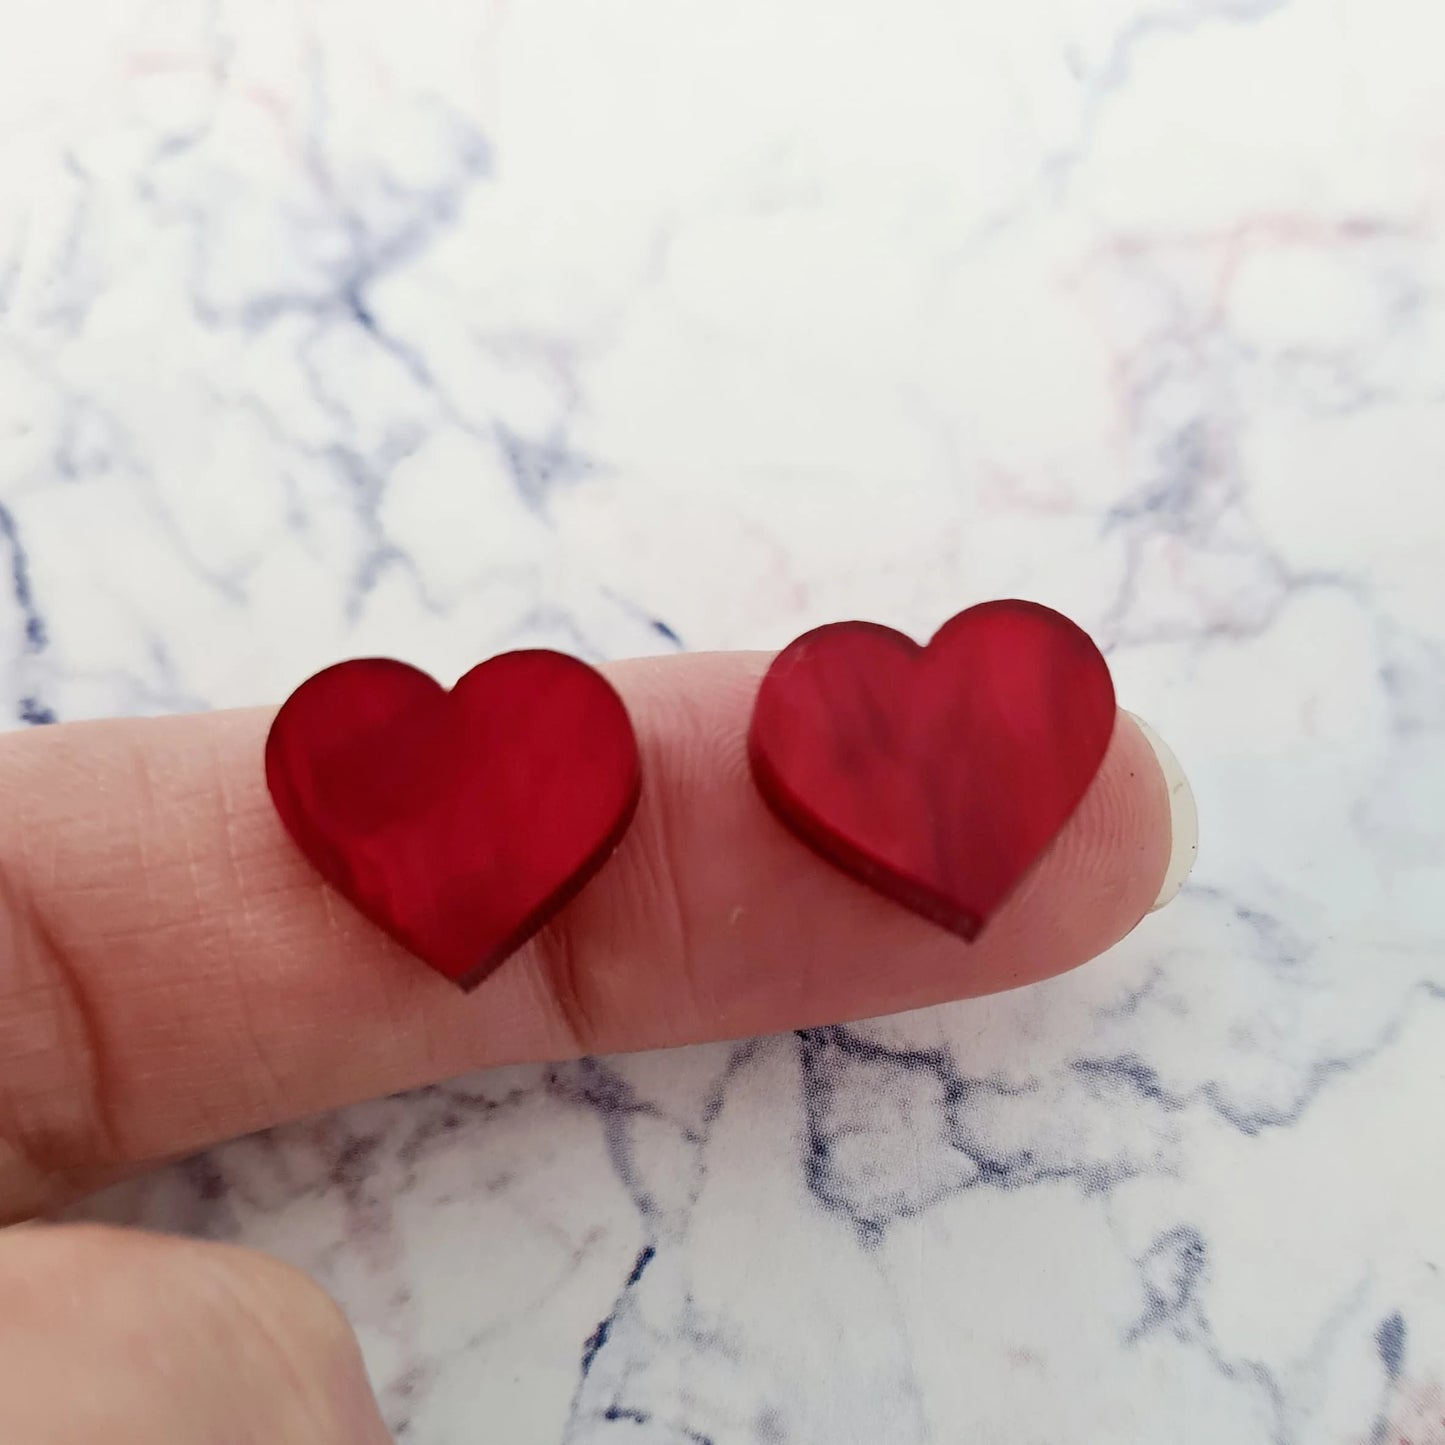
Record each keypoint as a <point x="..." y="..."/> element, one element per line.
<point x="172" y="972"/>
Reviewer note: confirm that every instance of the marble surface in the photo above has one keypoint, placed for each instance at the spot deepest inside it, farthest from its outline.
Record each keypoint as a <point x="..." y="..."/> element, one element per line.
<point x="434" y="329"/>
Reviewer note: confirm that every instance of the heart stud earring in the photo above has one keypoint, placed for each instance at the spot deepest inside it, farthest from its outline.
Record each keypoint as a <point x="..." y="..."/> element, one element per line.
<point x="937" y="774"/>
<point x="459" y="822"/>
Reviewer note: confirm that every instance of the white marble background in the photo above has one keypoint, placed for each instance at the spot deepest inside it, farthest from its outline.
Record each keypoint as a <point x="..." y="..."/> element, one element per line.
<point x="335" y="326"/>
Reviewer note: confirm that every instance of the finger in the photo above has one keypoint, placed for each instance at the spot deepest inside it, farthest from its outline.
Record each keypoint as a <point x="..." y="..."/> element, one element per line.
<point x="172" y="971"/>
<point x="111" y="1335"/>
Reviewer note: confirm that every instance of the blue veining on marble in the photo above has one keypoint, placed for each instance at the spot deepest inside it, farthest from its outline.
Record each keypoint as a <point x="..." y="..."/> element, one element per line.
<point x="598" y="1338"/>
<point x="1390" y="1341"/>
<point x="21" y="590"/>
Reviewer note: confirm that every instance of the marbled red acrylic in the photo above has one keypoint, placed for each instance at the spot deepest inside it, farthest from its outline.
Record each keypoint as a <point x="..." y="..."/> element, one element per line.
<point x="937" y="774"/>
<point x="461" y="821"/>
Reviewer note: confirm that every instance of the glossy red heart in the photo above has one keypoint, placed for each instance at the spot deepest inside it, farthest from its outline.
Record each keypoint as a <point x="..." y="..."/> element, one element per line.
<point x="936" y="774"/>
<point x="460" y="821"/>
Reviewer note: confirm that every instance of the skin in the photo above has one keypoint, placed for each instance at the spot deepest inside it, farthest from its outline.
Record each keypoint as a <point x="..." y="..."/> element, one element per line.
<point x="172" y="973"/>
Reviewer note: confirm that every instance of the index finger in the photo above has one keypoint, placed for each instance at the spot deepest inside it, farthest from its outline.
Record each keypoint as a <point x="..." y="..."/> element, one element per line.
<point x="173" y="973"/>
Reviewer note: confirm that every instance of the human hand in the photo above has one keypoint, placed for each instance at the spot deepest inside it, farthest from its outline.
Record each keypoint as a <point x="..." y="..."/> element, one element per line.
<point x="172" y="973"/>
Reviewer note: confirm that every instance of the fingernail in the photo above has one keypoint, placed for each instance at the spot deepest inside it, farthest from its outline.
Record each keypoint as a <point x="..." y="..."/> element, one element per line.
<point x="1183" y="817"/>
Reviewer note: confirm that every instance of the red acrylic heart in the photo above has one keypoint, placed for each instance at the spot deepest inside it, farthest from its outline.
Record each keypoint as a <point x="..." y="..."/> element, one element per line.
<point x="461" y="821"/>
<point x="935" y="774"/>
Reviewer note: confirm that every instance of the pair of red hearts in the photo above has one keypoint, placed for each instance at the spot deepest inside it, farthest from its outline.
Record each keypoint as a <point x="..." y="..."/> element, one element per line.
<point x="461" y="821"/>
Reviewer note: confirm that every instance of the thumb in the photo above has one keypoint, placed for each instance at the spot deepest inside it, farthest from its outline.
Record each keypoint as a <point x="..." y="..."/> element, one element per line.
<point x="115" y="1335"/>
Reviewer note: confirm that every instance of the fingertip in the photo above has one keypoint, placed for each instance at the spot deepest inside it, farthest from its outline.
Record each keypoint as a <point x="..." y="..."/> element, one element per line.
<point x="716" y="920"/>
<point x="1102" y="874"/>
